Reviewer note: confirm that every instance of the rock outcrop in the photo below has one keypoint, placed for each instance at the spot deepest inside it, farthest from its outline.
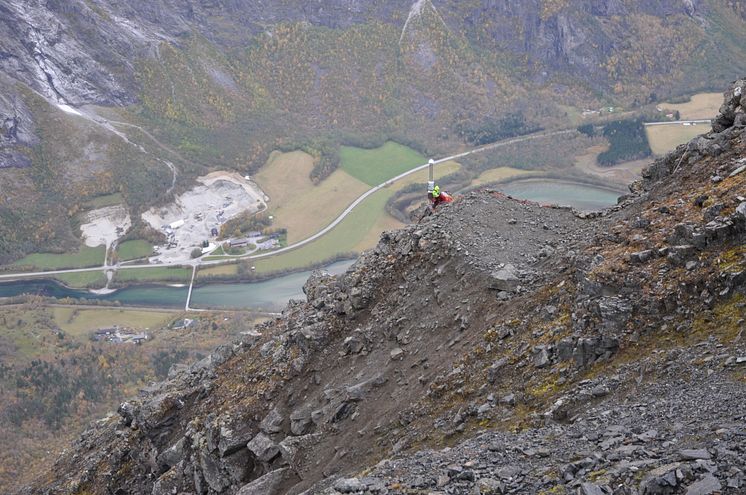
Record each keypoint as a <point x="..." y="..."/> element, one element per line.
<point x="551" y="353"/>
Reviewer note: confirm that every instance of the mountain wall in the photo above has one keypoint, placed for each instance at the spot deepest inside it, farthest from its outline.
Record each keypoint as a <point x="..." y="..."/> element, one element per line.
<point x="222" y="84"/>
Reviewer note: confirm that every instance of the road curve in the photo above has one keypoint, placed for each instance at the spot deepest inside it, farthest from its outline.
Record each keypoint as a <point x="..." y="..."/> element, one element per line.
<point x="389" y="182"/>
<point x="319" y="234"/>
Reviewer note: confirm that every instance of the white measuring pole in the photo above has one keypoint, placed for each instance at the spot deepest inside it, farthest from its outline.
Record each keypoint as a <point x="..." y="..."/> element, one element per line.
<point x="431" y="179"/>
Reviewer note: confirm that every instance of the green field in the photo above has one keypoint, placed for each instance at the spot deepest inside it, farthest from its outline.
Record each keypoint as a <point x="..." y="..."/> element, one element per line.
<point x="83" y="279"/>
<point x="344" y="238"/>
<point x="377" y="165"/>
<point x="132" y="250"/>
<point x="164" y="274"/>
<point x="80" y="322"/>
<point x="86" y="257"/>
<point x="218" y="271"/>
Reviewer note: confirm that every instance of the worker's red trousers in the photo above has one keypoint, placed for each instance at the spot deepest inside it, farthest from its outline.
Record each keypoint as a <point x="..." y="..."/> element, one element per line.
<point x="443" y="198"/>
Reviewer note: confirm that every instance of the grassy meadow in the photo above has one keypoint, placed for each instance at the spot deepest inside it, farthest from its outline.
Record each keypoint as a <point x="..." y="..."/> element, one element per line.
<point x="135" y="249"/>
<point x="665" y="138"/>
<point x="375" y="166"/>
<point x="85" y="257"/>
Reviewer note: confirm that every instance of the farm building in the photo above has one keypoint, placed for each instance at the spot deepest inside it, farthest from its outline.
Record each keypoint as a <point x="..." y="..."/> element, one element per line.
<point x="239" y="242"/>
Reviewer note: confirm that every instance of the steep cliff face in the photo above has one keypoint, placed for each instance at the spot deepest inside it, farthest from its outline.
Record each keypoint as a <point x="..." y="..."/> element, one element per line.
<point x="554" y="352"/>
<point x="84" y="51"/>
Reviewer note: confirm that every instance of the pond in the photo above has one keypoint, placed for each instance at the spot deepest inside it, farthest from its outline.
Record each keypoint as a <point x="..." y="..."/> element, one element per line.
<point x="270" y="295"/>
<point x="583" y="197"/>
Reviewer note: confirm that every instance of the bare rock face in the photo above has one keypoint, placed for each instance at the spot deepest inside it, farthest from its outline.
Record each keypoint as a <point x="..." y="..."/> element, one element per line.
<point x="16" y="128"/>
<point x="83" y="52"/>
<point x="733" y="110"/>
<point x="47" y="51"/>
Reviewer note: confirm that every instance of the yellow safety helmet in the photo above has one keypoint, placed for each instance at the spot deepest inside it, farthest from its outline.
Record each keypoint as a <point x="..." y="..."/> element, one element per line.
<point x="436" y="191"/>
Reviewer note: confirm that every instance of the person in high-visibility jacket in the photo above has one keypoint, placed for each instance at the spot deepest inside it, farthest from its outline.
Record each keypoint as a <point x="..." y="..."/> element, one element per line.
<point x="437" y="197"/>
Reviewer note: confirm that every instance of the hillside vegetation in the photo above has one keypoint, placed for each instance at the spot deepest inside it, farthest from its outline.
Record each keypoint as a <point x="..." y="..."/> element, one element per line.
<point x="54" y="378"/>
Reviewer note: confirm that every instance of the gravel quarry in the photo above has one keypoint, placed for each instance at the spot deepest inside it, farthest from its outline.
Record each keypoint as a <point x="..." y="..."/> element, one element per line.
<point x="189" y="221"/>
<point x="105" y="225"/>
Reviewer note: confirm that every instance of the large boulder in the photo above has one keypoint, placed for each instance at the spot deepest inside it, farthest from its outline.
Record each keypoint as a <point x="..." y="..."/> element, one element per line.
<point x="263" y="448"/>
<point x="732" y="106"/>
<point x="269" y="484"/>
<point x="505" y="278"/>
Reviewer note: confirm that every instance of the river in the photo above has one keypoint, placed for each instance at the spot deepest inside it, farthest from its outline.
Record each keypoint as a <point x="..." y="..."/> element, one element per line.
<point x="581" y="196"/>
<point x="273" y="295"/>
<point x="270" y="295"/>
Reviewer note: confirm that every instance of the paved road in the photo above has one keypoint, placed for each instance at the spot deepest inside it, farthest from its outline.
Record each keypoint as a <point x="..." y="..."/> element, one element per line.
<point x="389" y="182"/>
<point x="321" y="233"/>
<point x="679" y="122"/>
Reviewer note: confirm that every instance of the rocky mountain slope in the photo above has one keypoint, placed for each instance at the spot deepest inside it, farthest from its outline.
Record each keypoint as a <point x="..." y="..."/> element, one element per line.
<point x="224" y="83"/>
<point x="498" y="347"/>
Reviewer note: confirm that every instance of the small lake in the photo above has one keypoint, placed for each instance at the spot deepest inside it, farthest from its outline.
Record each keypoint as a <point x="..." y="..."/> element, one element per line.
<point x="580" y="196"/>
<point x="270" y="295"/>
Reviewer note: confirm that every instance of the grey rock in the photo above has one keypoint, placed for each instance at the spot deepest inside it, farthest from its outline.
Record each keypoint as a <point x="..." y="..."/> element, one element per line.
<point x="272" y="423"/>
<point x="263" y="447"/>
<point x="660" y="481"/>
<point x="349" y="485"/>
<point x="508" y="400"/>
<point x="641" y="256"/>
<point x="591" y="489"/>
<point x="741" y="210"/>
<point x="488" y="486"/>
<point x="564" y="349"/>
<point x="291" y="447"/>
<point x="269" y="484"/>
<point x="713" y="211"/>
<point x="239" y="465"/>
<point x="735" y="481"/>
<point x="170" y="482"/>
<point x="682" y="234"/>
<point x="397" y="353"/>
<point x="693" y="454"/>
<point x="300" y="422"/>
<point x="358" y="298"/>
<point x="737" y="171"/>
<point x="541" y="357"/>
<point x="10" y="158"/>
<point x="505" y="279"/>
<point x="706" y="486"/>
<point x="600" y="391"/>
<point x="172" y="455"/>
<point x="494" y="369"/>
<point x="212" y="472"/>
<point x="231" y="440"/>
<point x="678" y="255"/>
